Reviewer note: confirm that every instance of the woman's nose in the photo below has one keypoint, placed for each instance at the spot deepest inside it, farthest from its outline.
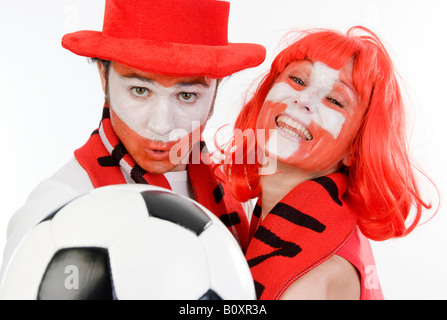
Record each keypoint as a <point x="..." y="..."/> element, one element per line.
<point x="305" y="101"/>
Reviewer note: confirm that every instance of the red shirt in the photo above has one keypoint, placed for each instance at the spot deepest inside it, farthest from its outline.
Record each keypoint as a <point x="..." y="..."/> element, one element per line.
<point x="357" y="250"/>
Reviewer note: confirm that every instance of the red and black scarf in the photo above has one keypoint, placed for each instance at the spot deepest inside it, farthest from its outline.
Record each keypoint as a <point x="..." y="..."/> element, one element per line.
<point x="303" y="230"/>
<point x="103" y="157"/>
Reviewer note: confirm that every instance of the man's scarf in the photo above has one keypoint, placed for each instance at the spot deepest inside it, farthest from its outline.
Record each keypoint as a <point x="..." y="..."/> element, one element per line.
<point x="103" y="157"/>
<point x="302" y="231"/>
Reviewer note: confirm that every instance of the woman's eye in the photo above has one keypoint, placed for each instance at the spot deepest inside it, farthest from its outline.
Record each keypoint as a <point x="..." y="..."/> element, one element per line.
<point x="298" y="80"/>
<point x="140" y="92"/>
<point x="187" y="97"/>
<point x="335" y="101"/>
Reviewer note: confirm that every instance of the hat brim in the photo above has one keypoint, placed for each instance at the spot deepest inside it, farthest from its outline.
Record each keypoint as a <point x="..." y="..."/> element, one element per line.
<point x="174" y="59"/>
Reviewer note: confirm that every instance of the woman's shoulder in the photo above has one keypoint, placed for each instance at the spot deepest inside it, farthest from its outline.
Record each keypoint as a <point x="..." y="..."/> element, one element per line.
<point x="334" y="279"/>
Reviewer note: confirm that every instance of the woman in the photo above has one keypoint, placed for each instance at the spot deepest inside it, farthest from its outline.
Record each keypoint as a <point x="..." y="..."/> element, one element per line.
<point x="330" y="115"/>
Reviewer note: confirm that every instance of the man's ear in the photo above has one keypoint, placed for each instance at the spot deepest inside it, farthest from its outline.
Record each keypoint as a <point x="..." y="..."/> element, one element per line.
<point x="102" y="74"/>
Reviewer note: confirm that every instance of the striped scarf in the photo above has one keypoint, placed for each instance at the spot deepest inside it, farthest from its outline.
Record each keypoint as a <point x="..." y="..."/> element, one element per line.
<point x="303" y="230"/>
<point x="104" y="156"/>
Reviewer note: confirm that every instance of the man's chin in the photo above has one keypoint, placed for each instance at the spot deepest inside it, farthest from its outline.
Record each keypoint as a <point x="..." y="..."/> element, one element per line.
<point x="155" y="167"/>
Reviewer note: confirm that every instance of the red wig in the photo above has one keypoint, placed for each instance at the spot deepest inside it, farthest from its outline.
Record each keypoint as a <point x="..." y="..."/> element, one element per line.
<point x="381" y="181"/>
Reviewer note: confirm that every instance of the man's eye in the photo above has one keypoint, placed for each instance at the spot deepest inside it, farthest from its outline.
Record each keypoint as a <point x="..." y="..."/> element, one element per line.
<point x="140" y="92"/>
<point x="187" y="97"/>
<point x="298" y="80"/>
<point x="335" y="101"/>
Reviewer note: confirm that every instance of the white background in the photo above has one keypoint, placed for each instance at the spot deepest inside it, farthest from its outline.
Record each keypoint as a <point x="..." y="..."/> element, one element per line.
<point x="51" y="100"/>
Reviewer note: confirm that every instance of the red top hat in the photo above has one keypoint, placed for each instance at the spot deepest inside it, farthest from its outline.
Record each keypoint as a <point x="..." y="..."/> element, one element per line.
<point x="170" y="37"/>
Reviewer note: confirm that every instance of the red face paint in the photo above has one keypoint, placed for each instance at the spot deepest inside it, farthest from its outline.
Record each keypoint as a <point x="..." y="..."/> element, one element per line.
<point x="152" y="114"/>
<point x="156" y="156"/>
<point x="314" y="114"/>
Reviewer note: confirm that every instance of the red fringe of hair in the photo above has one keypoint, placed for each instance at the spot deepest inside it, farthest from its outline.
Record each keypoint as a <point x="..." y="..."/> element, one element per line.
<point x="381" y="181"/>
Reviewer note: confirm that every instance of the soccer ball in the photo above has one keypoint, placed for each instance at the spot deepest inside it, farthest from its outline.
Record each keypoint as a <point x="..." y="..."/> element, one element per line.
<point x="129" y="242"/>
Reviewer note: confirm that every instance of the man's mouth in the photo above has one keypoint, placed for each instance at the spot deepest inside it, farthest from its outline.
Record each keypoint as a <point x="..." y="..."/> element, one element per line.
<point x="293" y="128"/>
<point x="158" y="150"/>
<point x="158" y="154"/>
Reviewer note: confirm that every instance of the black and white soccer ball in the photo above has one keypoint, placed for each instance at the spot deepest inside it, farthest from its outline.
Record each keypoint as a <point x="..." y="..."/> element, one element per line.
<point x="129" y="242"/>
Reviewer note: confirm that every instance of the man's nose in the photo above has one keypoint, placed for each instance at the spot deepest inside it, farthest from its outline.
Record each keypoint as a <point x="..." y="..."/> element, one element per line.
<point x="161" y="119"/>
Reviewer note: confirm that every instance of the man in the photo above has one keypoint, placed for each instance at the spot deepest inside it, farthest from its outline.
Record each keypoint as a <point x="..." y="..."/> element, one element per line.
<point x="160" y="62"/>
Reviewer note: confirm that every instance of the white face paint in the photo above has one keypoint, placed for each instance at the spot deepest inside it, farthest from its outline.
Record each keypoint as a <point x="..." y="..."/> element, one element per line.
<point x="315" y="113"/>
<point x="160" y="108"/>
<point x="321" y="82"/>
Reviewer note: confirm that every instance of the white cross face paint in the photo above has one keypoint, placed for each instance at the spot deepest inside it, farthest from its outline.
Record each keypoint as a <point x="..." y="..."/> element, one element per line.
<point x="322" y="80"/>
<point x="314" y="112"/>
<point x="160" y="108"/>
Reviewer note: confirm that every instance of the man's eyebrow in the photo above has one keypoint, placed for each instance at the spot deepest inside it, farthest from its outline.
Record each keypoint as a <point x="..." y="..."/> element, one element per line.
<point x="198" y="82"/>
<point x="135" y="76"/>
<point x="201" y="83"/>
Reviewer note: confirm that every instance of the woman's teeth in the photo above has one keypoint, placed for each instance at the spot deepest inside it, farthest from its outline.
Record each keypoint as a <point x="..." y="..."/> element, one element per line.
<point x="293" y="128"/>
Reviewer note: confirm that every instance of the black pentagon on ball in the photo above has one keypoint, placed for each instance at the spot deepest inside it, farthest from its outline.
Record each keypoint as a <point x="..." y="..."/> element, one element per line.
<point x="172" y="207"/>
<point x="210" y="295"/>
<point x="77" y="274"/>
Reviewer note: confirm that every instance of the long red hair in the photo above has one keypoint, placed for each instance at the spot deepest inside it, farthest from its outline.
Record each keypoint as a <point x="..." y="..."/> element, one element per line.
<point x="381" y="182"/>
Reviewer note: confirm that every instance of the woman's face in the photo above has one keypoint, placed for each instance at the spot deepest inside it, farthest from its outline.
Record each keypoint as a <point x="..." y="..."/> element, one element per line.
<point x="311" y="115"/>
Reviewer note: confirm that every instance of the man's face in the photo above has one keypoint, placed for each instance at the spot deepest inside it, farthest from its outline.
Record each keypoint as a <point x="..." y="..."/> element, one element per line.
<point x="158" y="118"/>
